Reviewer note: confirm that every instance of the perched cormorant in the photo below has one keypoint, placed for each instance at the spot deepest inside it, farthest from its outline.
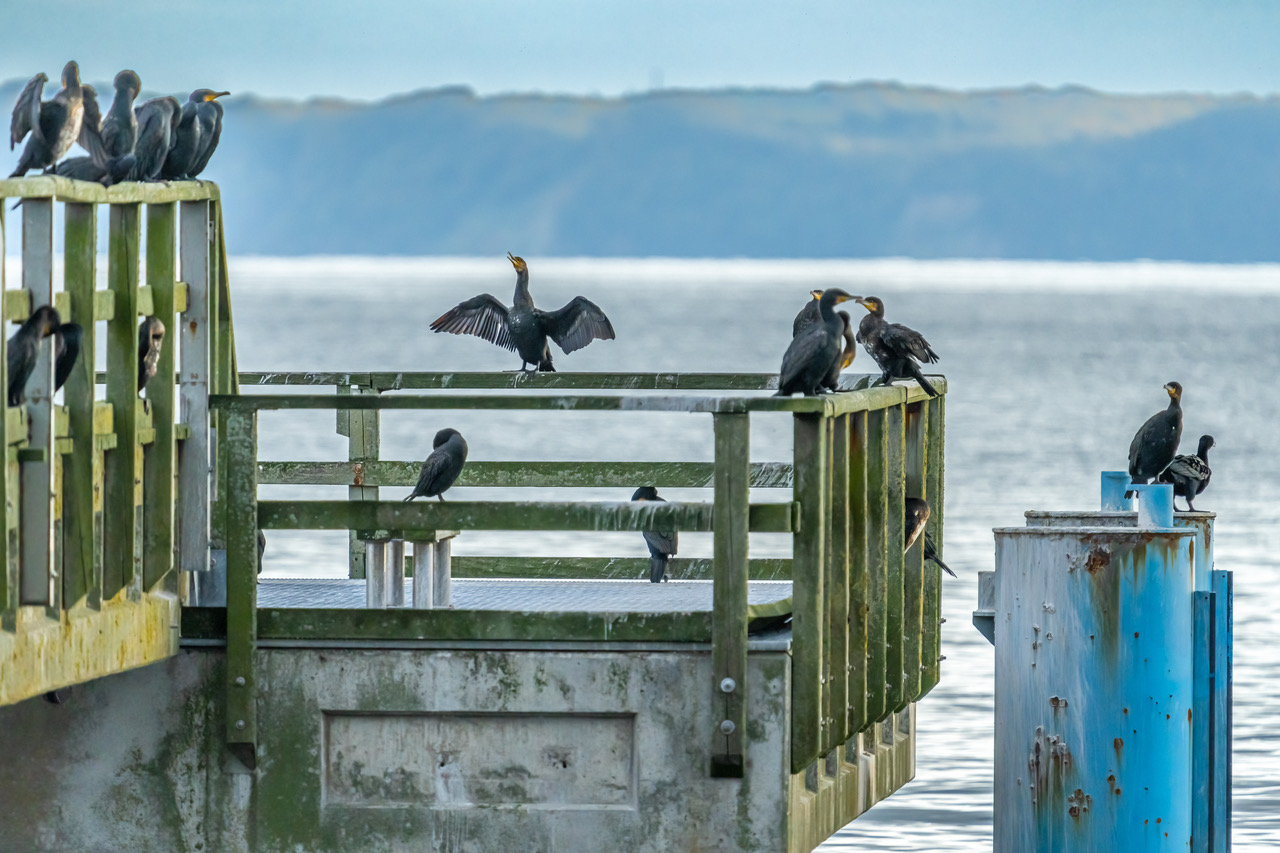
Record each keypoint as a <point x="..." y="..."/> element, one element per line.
<point x="916" y="514"/>
<point x="150" y="340"/>
<point x="1155" y="444"/>
<point x="66" y="350"/>
<point x="808" y="314"/>
<point x="115" y="170"/>
<point x="119" y="130"/>
<point x="832" y="382"/>
<point x="262" y="548"/>
<point x="209" y="117"/>
<point x="895" y="347"/>
<point x="448" y="455"/>
<point x="54" y="125"/>
<point x="523" y="328"/>
<point x="24" y="347"/>
<point x="195" y="135"/>
<point x="662" y="545"/>
<point x="815" y="350"/>
<point x="1189" y="474"/>
<point x="156" y="121"/>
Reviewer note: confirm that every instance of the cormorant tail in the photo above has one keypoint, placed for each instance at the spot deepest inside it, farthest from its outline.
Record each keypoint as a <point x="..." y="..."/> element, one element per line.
<point x="919" y="377"/>
<point x="545" y="365"/>
<point x="658" y="568"/>
<point x="941" y="564"/>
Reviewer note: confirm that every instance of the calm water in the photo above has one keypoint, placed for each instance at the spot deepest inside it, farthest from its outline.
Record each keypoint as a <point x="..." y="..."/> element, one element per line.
<point x="1052" y="368"/>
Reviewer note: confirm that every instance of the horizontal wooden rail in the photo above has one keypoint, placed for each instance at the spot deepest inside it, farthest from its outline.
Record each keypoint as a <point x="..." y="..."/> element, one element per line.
<point x="692" y="475"/>
<point x="132" y="192"/>
<point x="516" y="380"/>
<point x="606" y="568"/>
<point x="509" y="515"/>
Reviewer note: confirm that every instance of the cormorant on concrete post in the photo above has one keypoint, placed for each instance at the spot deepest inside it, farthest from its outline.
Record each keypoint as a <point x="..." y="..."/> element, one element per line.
<point x="1189" y="474"/>
<point x="896" y="348"/>
<point x="442" y="467"/>
<point x="66" y="350"/>
<point x="195" y="136"/>
<point x="525" y="329"/>
<point x="815" y="350"/>
<point x="53" y="125"/>
<point x="150" y="340"/>
<point x="808" y="314"/>
<point x="662" y="545"/>
<point x="1155" y="444"/>
<point x="916" y="515"/>
<point x="24" y="348"/>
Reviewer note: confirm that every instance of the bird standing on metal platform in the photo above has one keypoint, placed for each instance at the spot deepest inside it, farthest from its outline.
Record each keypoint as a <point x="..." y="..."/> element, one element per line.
<point x="523" y="328"/>
<point x="808" y="314"/>
<point x="442" y="467"/>
<point x="53" y="125"/>
<point x="813" y="352"/>
<point x="24" y="348"/>
<point x="896" y="348"/>
<point x="662" y="545"/>
<point x="196" y="136"/>
<point x="150" y="341"/>
<point x="1189" y="474"/>
<point x="916" y="515"/>
<point x="66" y="350"/>
<point x="1154" y="445"/>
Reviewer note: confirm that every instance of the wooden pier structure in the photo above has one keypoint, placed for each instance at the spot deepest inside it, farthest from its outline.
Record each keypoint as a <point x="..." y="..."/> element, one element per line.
<point x="558" y="703"/>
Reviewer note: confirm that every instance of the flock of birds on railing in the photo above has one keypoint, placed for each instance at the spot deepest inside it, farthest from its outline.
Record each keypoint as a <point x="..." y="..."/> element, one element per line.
<point x="159" y="140"/>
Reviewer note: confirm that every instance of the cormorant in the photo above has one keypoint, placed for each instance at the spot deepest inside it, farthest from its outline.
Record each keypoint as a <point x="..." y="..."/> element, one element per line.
<point x="119" y="130"/>
<point x="895" y="347"/>
<point x="1154" y="445"/>
<point x="662" y="545"/>
<point x="832" y="382"/>
<point x="54" y="125"/>
<point x="448" y="455"/>
<point x="156" y="121"/>
<point x="523" y="328"/>
<point x="815" y="350"/>
<point x="195" y="135"/>
<point x="24" y="347"/>
<point x="262" y="548"/>
<point x="1189" y="474"/>
<point x="150" y="340"/>
<point x="916" y="515"/>
<point x="115" y="170"/>
<point x="66" y="350"/>
<point x="808" y="314"/>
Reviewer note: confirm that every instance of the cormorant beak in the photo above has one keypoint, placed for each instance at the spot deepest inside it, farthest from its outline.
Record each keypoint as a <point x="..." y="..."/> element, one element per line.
<point x="844" y="297"/>
<point x="869" y="304"/>
<point x="213" y="96"/>
<point x="816" y="294"/>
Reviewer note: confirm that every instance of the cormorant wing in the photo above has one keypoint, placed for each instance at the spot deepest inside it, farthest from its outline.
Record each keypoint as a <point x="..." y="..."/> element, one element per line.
<point x="81" y="169"/>
<point x="576" y="324"/>
<point x="904" y="341"/>
<point x="808" y="314"/>
<point x="1188" y="467"/>
<point x="209" y="116"/>
<point x="90" y="137"/>
<point x="483" y="316"/>
<point x="26" y="113"/>
<point x="803" y="348"/>
<point x="153" y="141"/>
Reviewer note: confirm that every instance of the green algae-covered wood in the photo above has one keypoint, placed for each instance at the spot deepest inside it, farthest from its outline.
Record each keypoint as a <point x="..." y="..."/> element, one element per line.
<point x="728" y="686"/>
<point x="895" y="532"/>
<point x="82" y="469"/>
<point x="120" y="519"/>
<point x="242" y="585"/>
<point x="934" y="478"/>
<point x="159" y="458"/>
<point x="808" y="623"/>
<point x="913" y="567"/>
<point x="877" y="520"/>
<point x="836" y="587"/>
<point x="8" y="574"/>
<point x="859" y="602"/>
<point x="607" y="568"/>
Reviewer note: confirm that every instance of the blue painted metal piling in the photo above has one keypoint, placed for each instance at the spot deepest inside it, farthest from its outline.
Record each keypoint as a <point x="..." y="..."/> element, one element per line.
<point x="1112" y="711"/>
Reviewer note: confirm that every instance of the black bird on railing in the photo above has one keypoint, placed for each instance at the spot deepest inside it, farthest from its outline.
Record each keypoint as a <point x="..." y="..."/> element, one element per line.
<point x="119" y="132"/>
<point x="66" y="350"/>
<point x="53" y="125"/>
<point x="525" y="329"/>
<point x="813" y="352"/>
<point x="808" y="314"/>
<point x="662" y="545"/>
<point x="1155" y="443"/>
<point x="1189" y="474"/>
<point x="24" y="348"/>
<point x="115" y="170"/>
<point x="916" y="516"/>
<point x="157" y="119"/>
<point x="150" y="341"/>
<point x="442" y="467"/>
<point x="896" y="348"/>
<point x="832" y="382"/>
<point x="196" y="135"/>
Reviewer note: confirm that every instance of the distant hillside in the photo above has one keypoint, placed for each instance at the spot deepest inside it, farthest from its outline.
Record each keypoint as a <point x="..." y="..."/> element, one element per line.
<point x="835" y="171"/>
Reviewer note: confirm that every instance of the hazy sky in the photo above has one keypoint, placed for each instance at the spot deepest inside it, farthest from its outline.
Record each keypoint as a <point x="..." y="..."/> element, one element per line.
<point x="374" y="48"/>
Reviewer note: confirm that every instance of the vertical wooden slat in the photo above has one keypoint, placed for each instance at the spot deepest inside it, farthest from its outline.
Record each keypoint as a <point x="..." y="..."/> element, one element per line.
<point x="193" y="336"/>
<point x="895" y="495"/>
<point x="158" y="468"/>
<point x="242" y="584"/>
<point x="859" y="600"/>
<point x="120" y="546"/>
<point x="807" y="567"/>
<point x="8" y="578"/>
<point x="913" y="574"/>
<point x="222" y="382"/>
<point x="934" y="475"/>
<point x="729" y="604"/>
<point x="362" y="429"/>
<point x="81" y="570"/>
<point x="39" y="583"/>
<point x="837" y="587"/>
<point x="877" y="513"/>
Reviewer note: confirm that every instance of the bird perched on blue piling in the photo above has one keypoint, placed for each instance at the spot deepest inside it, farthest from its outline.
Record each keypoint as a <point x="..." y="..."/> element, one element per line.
<point x="523" y="328"/>
<point x="662" y="544"/>
<point x="815" y="349"/>
<point x="24" y="348"/>
<point x="442" y="467"/>
<point x="50" y="127"/>
<point x="1156" y="442"/>
<point x="896" y="348"/>
<point x="916" y="513"/>
<point x="1189" y="474"/>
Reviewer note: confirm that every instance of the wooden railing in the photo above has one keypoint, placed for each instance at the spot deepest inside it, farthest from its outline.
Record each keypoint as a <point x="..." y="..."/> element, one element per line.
<point x="865" y="617"/>
<point x="105" y="496"/>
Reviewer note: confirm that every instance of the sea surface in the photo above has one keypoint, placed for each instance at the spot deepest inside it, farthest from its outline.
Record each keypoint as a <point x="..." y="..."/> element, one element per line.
<point x="1052" y="367"/>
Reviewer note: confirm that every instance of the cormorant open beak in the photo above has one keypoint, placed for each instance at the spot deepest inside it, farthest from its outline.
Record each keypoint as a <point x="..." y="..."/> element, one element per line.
<point x="213" y="96"/>
<point x="865" y="303"/>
